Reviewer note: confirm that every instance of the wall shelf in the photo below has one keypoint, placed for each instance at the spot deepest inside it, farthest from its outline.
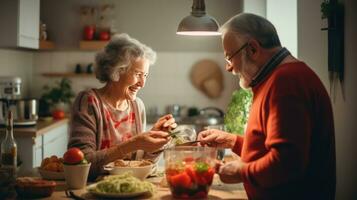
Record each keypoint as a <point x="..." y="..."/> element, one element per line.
<point x="67" y="74"/>
<point x="92" y="44"/>
<point x="46" y="45"/>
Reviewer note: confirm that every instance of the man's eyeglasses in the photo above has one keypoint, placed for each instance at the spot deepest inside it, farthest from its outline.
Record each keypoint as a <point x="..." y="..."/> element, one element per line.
<point x="229" y="58"/>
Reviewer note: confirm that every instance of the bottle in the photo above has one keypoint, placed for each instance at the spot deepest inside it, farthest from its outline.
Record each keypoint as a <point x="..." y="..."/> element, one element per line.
<point x="8" y="161"/>
<point x="9" y="148"/>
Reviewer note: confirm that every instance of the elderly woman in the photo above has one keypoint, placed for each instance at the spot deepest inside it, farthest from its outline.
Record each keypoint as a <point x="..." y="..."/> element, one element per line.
<point x="109" y="123"/>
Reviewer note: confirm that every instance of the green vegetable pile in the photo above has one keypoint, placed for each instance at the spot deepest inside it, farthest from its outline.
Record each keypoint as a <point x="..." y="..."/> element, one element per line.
<point x="238" y="111"/>
<point x="123" y="183"/>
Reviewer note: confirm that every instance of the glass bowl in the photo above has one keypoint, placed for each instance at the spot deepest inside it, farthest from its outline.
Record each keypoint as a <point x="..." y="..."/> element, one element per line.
<point x="189" y="170"/>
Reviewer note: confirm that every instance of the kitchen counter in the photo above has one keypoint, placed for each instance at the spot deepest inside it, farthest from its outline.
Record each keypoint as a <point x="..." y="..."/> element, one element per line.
<point x="218" y="191"/>
<point x="42" y="127"/>
<point x="37" y="142"/>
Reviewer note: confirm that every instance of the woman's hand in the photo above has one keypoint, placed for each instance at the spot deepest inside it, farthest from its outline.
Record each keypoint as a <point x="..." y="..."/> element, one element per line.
<point x="151" y="141"/>
<point x="217" y="138"/>
<point x="165" y="123"/>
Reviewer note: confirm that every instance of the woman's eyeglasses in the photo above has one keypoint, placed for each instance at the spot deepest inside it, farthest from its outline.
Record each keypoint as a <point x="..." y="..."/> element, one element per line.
<point x="229" y="58"/>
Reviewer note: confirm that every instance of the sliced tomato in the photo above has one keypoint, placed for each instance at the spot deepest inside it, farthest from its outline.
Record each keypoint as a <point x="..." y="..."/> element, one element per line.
<point x="189" y="159"/>
<point x="200" y="195"/>
<point x="181" y="180"/>
<point x="191" y="172"/>
<point x="209" y="176"/>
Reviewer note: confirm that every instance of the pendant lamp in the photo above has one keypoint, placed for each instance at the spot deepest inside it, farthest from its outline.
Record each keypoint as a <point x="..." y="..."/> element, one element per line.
<point x="198" y="23"/>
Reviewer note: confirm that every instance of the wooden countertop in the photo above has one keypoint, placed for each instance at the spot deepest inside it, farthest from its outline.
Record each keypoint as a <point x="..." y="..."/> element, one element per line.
<point x="42" y="127"/>
<point x="218" y="191"/>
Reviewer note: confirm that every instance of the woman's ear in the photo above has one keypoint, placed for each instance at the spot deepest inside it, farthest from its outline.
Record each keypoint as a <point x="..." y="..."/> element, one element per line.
<point x="116" y="77"/>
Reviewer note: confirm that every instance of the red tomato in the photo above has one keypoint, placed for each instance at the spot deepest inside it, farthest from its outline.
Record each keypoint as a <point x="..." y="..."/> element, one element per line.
<point x="200" y="195"/>
<point x="209" y="176"/>
<point x="88" y="32"/>
<point x="189" y="159"/>
<point x="181" y="180"/>
<point x="73" y="156"/>
<point x="104" y="35"/>
<point x="58" y="114"/>
<point x="191" y="172"/>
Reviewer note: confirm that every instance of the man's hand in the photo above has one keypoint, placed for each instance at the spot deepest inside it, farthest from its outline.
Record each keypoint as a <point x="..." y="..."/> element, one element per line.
<point x="217" y="138"/>
<point x="165" y="123"/>
<point x="230" y="172"/>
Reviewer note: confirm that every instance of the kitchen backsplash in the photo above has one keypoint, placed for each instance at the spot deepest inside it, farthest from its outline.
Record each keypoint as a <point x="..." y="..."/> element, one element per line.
<point x="168" y="81"/>
<point x="17" y="63"/>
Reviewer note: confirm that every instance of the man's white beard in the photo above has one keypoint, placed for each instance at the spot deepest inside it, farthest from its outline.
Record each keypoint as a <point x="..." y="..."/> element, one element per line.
<point x="249" y="70"/>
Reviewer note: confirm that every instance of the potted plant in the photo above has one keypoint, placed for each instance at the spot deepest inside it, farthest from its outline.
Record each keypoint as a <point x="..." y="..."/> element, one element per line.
<point x="238" y="111"/>
<point x="55" y="99"/>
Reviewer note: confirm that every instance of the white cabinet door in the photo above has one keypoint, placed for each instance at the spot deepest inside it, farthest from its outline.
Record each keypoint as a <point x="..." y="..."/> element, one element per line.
<point x="28" y="24"/>
<point x="55" y="141"/>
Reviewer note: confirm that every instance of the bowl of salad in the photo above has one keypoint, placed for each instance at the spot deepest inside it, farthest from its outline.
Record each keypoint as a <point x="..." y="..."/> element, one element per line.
<point x="189" y="170"/>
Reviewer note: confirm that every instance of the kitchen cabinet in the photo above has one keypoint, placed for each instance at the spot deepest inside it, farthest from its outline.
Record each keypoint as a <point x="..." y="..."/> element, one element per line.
<point x="19" y="21"/>
<point x="43" y="140"/>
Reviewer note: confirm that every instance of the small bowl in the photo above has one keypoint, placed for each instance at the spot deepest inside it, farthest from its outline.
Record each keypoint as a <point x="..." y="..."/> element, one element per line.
<point x="50" y="175"/>
<point x="140" y="172"/>
<point x="30" y="187"/>
<point x="76" y="175"/>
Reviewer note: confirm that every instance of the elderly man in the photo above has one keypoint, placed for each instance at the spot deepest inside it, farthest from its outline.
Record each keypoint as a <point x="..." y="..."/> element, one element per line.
<point x="288" y="149"/>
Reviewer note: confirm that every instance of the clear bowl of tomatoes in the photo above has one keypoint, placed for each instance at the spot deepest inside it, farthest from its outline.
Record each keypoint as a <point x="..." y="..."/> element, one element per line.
<point x="189" y="170"/>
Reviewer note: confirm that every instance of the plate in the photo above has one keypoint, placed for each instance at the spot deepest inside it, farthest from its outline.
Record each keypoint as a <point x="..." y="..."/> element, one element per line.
<point x="113" y="195"/>
<point x="50" y="175"/>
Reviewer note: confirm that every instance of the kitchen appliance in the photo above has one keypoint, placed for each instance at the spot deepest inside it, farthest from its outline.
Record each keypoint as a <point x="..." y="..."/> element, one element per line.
<point x="24" y="109"/>
<point x="207" y="117"/>
<point x="175" y="110"/>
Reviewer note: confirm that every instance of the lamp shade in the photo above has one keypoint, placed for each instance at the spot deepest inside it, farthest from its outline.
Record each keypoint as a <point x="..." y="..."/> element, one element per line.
<point x="198" y="23"/>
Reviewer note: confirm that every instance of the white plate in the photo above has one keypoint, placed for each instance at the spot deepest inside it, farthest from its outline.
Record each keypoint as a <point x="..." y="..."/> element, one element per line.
<point x="50" y="175"/>
<point x="113" y="195"/>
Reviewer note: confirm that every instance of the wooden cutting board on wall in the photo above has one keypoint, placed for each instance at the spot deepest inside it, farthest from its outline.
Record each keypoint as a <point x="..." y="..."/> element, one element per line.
<point x="207" y="76"/>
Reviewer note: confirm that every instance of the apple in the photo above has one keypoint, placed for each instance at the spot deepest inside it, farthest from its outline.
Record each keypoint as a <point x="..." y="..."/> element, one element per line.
<point x="73" y="156"/>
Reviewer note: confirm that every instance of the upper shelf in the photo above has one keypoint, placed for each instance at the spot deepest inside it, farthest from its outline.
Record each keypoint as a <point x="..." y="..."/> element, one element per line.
<point x="67" y="74"/>
<point x="46" y="45"/>
<point x="92" y="44"/>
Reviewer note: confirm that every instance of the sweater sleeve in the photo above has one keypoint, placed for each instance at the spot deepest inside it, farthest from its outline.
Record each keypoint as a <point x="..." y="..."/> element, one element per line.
<point x="237" y="148"/>
<point x="84" y="132"/>
<point x="288" y="130"/>
<point x="147" y="155"/>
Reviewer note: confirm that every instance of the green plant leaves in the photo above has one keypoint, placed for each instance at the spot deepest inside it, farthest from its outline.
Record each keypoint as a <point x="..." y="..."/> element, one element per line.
<point x="61" y="92"/>
<point x="238" y="111"/>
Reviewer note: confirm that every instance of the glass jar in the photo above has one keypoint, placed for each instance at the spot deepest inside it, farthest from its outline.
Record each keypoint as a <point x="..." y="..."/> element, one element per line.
<point x="189" y="170"/>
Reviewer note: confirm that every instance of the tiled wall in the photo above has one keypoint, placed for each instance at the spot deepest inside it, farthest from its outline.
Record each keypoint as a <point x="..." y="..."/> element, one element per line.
<point x="17" y="63"/>
<point x="168" y="82"/>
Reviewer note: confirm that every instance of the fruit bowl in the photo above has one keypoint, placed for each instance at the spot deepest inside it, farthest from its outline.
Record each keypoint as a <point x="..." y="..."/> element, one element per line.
<point x="50" y="175"/>
<point x="189" y="170"/>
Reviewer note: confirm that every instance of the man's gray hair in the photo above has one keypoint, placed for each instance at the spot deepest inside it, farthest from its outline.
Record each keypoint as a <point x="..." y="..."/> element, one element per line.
<point x="254" y="26"/>
<point x="118" y="55"/>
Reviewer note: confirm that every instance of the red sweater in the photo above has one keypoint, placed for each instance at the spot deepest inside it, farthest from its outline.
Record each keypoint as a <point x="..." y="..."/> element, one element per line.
<point x="289" y="144"/>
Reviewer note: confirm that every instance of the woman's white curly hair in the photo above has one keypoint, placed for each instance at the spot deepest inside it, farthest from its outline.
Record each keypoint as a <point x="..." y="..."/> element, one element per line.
<point x="118" y="55"/>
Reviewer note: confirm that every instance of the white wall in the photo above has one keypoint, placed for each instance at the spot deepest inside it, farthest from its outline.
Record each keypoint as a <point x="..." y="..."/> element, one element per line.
<point x="257" y="7"/>
<point x="313" y="50"/>
<point x="168" y="82"/>
<point x="283" y="14"/>
<point x="17" y="63"/>
<point x="154" y="22"/>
